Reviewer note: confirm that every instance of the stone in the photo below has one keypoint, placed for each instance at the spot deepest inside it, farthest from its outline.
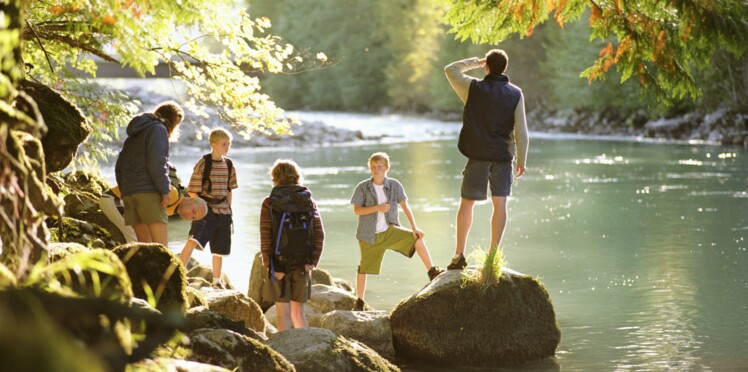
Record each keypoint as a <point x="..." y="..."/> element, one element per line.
<point x="195" y="298"/>
<point x="206" y="272"/>
<point x="256" y="278"/>
<point x="175" y="365"/>
<point x="67" y="127"/>
<point x="154" y="269"/>
<point x="236" y="306"/>
<point x="319" y="350"/>
<point x="343" y="284"/>
<point x="58" y="251"/>
<point x="203" y="317"/>
<point x="324" y="299"/>
<point x="369" y="327"/>
<point x="321" y="276"/>
<point x="234" y="351"/>
<point x="513" y="321"/>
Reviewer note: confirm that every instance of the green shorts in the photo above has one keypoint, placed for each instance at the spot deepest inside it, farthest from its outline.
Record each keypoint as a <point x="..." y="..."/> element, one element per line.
<point x="144" y="208"/>
<point x="295" y="286"/>
<point x="395" y="238"/>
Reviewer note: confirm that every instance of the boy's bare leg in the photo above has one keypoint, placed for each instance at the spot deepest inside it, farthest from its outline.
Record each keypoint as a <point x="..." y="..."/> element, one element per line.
<point x="217" y="263"/>
<point x="360" y="285"/>
<point x="158" y="232"/>
<point x="498" y="220"/>
<point x="142" y="232"/>
<point x="297" y="315"/>
<point x="187" y="251"/>
<point x="423" y="253"/>
<point x="283" y="316"/>
<point x="464" y="222"/>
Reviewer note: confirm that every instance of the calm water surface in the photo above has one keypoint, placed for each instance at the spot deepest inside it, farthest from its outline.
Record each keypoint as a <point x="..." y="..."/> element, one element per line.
<point x="641" y="246"/>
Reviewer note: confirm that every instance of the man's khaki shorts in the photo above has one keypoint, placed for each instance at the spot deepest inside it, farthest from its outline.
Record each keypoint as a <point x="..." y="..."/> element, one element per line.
<point x="395" y="238"/>
<point x="144" y="208"/>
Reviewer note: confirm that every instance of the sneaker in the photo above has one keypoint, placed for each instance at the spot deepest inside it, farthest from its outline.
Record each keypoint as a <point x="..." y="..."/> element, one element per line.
<point x="460" y="264"/>
<point x="218" y="285"/>
<point x="359" y="305"/>
<point x="434" y="271"/>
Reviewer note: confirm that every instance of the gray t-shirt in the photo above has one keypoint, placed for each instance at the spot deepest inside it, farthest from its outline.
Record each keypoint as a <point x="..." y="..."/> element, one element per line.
<point x="366" y="196"/>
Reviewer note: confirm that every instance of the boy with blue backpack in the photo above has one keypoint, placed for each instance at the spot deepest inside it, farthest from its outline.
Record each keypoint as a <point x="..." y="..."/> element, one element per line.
<point x="291" y="241"/>
<point x="212" y="180"/>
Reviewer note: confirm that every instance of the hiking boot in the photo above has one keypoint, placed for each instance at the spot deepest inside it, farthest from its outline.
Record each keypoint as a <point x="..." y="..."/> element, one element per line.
<point x="458" y="264"/>
<point x="359" y="305"/>
<point x="434" y="271"/>
<point x="218" y="285"/>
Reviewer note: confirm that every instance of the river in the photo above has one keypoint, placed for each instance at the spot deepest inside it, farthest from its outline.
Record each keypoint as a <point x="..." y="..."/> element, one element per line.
<point x="641" y="245"/>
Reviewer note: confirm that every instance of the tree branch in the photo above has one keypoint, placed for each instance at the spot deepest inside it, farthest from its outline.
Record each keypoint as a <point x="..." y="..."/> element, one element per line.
<point x="80" y="45"/>
<point x="46" y="55"/>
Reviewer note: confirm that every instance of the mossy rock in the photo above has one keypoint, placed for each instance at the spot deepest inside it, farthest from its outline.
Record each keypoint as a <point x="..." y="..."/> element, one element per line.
<point x="84" y="206"/>
<point x="155" y="270"/>
<point x="321" y="276"/>
<point x="203" y="317"/>
<point x="58" y="251"/>
<point x="195" y="298"/>
<point x="67" y="127"/>
<point x="467" y="324"/>
<point x="79" y="231"/>
<point x="234" y="351"/>
<point x="96" y="273"/>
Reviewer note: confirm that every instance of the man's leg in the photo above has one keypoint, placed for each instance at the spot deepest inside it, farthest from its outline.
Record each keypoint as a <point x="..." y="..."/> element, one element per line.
<point x="464" y="222"/>
<point x="498" y="220"/>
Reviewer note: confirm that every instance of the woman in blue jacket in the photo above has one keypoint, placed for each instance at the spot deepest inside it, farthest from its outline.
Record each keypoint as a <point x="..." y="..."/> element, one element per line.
<point x="142" y="172"/>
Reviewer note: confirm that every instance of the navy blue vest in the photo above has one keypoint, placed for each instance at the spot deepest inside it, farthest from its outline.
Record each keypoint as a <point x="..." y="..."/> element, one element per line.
<point x="488" y="119"/>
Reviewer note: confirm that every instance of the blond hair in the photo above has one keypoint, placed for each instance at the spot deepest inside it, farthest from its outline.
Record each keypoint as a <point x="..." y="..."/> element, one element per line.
<point x="220" y="134"/>
<point x="285" y="172"/>
<point x="380" y="156"/>
<point x="171" y="114"/>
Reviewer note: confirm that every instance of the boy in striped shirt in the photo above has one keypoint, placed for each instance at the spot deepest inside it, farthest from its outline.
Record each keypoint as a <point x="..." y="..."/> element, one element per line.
<point x="215" y="189"/>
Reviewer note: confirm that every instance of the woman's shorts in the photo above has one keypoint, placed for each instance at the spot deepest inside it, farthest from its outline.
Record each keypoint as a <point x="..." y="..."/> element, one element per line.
<point x="144" y="208"/>
<point x="395" y="238"/>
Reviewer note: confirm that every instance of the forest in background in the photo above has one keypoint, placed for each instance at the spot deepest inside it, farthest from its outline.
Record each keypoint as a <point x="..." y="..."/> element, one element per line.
<point x="390" y="55"/>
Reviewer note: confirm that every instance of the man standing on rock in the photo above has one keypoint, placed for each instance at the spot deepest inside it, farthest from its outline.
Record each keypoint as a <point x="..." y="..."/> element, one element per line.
<point x="493" y="124"/>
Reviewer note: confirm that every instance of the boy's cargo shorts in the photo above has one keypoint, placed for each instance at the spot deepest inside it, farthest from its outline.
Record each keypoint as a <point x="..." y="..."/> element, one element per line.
<point x="395" y="238"/>
<point x="214" y="229"/>
<point x="296" y="285"/>
<point x="144" y="208"/>
<point x="478" y="174"/>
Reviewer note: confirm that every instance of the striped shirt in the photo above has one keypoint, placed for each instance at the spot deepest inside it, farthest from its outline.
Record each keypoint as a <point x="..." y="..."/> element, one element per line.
<point x="220" y="184"/>
<point x="266" y="233"/>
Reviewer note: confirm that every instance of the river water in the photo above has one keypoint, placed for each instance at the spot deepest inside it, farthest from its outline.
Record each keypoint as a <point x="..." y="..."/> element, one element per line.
<point x="641" y="245"/>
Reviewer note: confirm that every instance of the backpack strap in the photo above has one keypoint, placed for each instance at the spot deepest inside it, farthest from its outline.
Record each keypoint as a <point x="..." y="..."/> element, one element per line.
<point x="206" y="172"/>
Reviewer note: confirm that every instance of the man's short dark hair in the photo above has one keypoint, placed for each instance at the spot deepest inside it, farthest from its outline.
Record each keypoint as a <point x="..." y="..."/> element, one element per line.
<point x="497" y="60"/>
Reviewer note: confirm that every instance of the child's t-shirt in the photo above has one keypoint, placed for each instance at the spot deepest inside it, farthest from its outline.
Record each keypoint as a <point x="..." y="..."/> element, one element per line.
<point x="220" y="183"/>
<point x="382" y="224"/>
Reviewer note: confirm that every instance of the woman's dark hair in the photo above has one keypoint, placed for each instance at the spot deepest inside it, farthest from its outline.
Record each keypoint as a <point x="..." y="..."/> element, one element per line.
<point x="171" y="114"/>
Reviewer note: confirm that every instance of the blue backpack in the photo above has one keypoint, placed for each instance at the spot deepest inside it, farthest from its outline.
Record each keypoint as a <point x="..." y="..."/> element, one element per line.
<point x="292" y="213"/>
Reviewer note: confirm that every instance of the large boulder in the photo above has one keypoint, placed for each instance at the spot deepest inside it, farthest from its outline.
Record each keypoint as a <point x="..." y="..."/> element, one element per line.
<point x="234" y="351"/>
<point x="321" y="276"/>
<point x="156" y="273"/>
<point x="236" y="306"/>
<point x="203" y="317"/>
<point x="469" y="324"/>
<point x="79" y="231"/>
<point x="58" y="251"/>
<point x="369" y="327"/>
<point x="318" y="350"/>
<point x="324" y="299"/>
<point x="67" y="127"/>
<point x="256" y="279"/>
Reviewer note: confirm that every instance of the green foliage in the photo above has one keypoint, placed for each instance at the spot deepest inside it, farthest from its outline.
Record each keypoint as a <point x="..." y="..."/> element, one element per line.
<point x="489" y="273"/>
<point x="658" y="43"/>
<point x="212" y="47"/>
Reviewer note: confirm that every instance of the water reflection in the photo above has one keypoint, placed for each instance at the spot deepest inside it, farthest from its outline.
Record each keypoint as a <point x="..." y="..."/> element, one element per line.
<point x="642" y="247"/>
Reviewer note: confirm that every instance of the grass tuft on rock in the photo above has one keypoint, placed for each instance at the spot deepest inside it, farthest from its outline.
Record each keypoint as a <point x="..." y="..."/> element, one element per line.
<point x="489" y="273"/>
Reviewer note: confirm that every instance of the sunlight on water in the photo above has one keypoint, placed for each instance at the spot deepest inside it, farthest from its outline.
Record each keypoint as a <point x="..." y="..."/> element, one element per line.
<point x="641" y="246"/>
